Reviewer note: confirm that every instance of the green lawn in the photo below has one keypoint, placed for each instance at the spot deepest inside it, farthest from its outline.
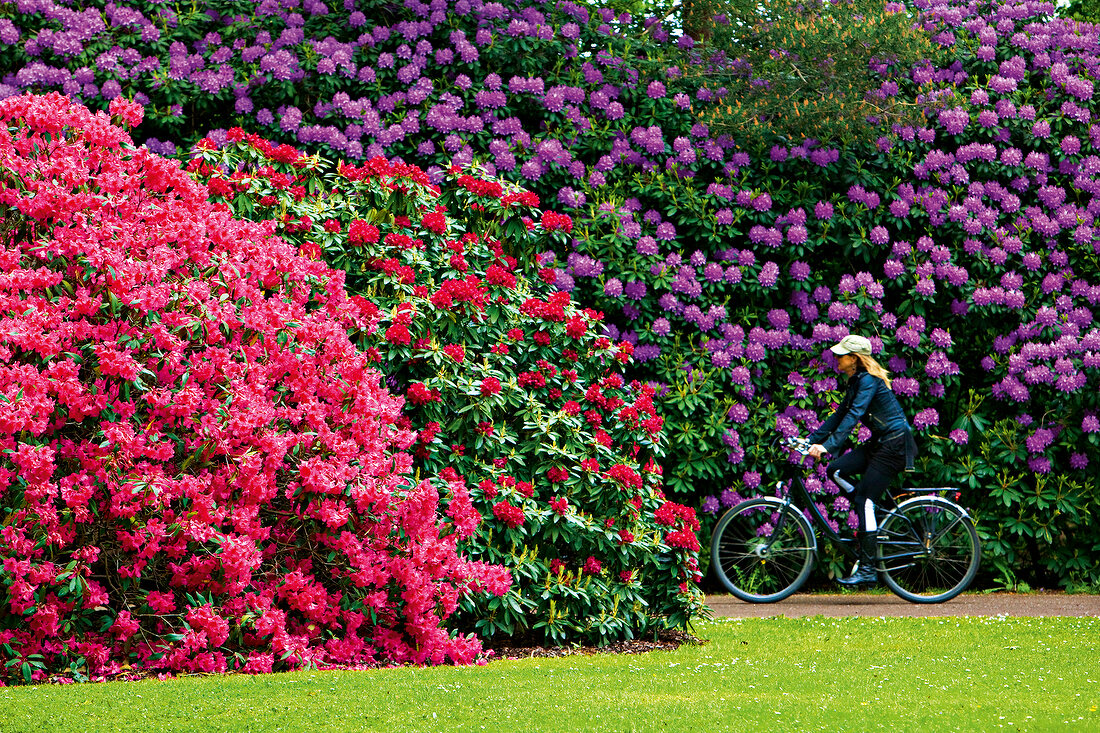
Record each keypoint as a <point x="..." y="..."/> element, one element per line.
<point x="933" y="674"/>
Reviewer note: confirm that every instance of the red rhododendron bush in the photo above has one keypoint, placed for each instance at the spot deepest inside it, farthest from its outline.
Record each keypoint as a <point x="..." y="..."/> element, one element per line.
<point x="200" y="472"/>
<point x="516" y="394"/>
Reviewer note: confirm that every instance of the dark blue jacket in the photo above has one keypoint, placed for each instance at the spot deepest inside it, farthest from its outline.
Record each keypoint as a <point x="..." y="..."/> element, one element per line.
<point x="868" y="400"/>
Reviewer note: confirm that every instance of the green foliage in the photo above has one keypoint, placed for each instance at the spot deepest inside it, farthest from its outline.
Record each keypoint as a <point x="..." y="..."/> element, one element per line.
<point x="1087" y="11"/>
<point x="797" y="70"/>
<point x="517" y="401"/>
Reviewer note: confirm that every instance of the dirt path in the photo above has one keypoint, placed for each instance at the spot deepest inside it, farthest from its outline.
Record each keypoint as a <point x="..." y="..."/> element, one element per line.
<point x="887" y="604"/>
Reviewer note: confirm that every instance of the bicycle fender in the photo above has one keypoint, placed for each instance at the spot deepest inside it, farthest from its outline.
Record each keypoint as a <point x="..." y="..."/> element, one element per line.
<point x="925" y="499"/>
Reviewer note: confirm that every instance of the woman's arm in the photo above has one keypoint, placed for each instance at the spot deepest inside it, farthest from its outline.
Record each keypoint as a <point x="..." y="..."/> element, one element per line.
<point x="834" y="432"/>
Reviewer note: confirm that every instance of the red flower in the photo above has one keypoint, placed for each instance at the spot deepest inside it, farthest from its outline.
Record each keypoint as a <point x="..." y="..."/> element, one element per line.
<point x="285" y="154"/>
<point x="684" y="539"/>
<point x="515" y="334"/>
<point x="556" y="567"/>
<point x="220" y="187"/>
<point x="428" y="433"/>
<point x="310" y="250"/>
<point x="576" y="328"/>
<point x="419" y="394"/>
<point x="360" y="233"/>
<point x="531" y="379"/>
<point x="456" y="352"/>
<point x="510" y="515"/>
<point x="571" y="408"/>
<point x="398" y="334"/>
<point x="552" y="221"/>
<point x="672" y="514"/>
<point x="130" y="114"/>
<point x="497" y="275"/>
<point x="592" y="566"/>
<point x="527" y="198"/>
<point x="490" y="386"/>
<point x="435" y="221"/>
<point x="625" y="475"/>
<point x="560" y="505"/>
<point x="399" y="241"/>
<point x="557" y="474"/>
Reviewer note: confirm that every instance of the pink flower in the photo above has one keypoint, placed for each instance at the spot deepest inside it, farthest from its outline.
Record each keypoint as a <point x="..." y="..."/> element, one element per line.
<point x="128" y="113"/>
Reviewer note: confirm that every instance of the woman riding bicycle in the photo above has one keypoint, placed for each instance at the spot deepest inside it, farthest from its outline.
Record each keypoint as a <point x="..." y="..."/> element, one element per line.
<point x="891" y="448"/>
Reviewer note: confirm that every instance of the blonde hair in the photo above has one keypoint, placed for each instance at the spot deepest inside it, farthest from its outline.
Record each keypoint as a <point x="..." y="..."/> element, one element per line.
<point x="874" y="368"/>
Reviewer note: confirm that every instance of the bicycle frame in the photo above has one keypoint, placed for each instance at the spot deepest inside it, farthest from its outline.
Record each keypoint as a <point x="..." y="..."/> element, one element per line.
<point x="817" y="519"/>
<point x="795" y="486"/>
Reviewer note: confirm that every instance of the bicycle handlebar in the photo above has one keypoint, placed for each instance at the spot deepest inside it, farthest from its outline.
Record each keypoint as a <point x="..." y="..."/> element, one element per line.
<point x="798" y="445"/>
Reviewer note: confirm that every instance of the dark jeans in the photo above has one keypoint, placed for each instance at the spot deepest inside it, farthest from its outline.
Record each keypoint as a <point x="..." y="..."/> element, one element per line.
<point x="879" y="463"/>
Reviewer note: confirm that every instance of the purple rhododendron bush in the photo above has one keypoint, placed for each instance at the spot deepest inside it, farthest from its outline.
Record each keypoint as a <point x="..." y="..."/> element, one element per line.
<point x="964" y="242"/>
<point x="200" y="471"/>
<point x="517" y="398"/>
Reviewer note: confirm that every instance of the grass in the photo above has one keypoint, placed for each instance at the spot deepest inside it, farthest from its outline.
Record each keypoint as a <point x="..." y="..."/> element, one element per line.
<point x="781" y="674"/>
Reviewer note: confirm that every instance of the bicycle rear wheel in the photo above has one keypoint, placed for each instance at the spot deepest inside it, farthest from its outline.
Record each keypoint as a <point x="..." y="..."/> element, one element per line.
<point x="928" y="550"/>
<point x="763" y="550"/>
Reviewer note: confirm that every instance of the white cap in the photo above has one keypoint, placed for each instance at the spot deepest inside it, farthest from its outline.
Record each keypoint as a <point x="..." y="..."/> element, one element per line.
<point x="852" y="344"/>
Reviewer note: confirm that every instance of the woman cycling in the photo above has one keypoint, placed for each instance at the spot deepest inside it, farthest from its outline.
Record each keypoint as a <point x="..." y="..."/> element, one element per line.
<point x="891" y="448"/>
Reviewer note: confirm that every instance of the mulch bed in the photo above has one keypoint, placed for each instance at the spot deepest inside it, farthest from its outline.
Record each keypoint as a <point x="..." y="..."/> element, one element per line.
<point x="669" y="640"/>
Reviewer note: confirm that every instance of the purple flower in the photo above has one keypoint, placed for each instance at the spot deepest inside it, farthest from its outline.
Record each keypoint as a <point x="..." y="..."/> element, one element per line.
<point x="769" y="274"/>
<point x="926" y="418"/>
<point x="799" y="271"/>
<point x="1039" y="464"/>
<point x="960" y="437"/>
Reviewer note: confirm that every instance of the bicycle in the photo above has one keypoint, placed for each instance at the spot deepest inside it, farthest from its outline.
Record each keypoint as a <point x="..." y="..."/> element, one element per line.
<point x="763" y="549"/>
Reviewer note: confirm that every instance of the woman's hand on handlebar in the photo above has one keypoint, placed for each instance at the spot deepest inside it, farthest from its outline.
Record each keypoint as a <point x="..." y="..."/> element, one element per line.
<point x="816" y="451"/>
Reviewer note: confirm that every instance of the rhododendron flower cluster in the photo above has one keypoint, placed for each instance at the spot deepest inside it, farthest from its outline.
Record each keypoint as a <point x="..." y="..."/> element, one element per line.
<point x="200" y="472"/>
<point x="514" y="394"/>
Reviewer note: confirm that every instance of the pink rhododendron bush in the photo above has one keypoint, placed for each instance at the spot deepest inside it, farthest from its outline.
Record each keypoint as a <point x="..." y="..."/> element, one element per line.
<point x="517" y="398"/>
<point x="200" y="471"/>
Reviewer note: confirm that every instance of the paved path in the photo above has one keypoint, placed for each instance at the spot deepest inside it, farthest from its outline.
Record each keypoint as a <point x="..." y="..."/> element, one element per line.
<point x="887" y="604"/>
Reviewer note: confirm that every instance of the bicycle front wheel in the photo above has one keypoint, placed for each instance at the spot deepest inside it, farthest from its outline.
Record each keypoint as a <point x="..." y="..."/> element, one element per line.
<point x="928" y="550"/>
<point x="762" y="550"/>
